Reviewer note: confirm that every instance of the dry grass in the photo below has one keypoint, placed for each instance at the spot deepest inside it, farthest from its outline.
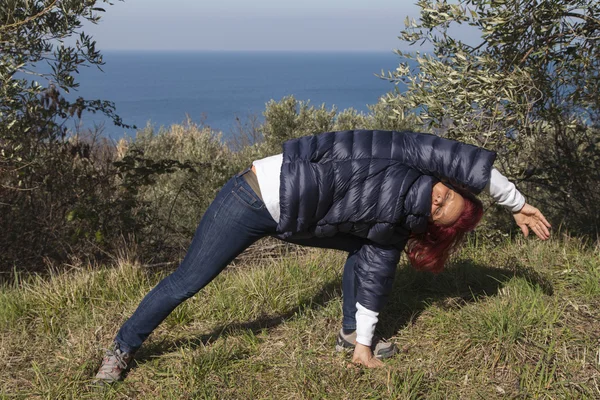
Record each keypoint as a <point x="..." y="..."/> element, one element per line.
<point x="517" y="320"/>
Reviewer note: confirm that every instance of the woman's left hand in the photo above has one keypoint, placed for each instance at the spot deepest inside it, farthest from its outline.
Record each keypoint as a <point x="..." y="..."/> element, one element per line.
<point x="531" y="218"/>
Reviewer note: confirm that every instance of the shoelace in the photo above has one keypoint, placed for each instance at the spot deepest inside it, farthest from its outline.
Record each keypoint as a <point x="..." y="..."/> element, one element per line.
<point x="119" y="357"/>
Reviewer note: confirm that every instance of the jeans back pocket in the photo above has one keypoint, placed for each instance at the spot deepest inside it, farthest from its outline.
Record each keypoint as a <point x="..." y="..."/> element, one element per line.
<point x="246" y="195"/>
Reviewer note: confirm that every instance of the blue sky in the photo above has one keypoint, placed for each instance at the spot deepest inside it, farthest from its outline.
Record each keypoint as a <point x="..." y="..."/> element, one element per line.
<point x="306" y="25"/>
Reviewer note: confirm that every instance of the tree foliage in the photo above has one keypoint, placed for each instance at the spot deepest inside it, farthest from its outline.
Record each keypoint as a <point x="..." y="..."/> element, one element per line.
<point x="527" y="87"/>
<point x="38" y="66"/>
<point x="55" y="190"/>
<point x="291" y="118"/>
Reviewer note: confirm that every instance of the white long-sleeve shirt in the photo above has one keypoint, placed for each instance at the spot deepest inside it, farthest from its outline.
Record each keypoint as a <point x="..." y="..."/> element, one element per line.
<point x="268" y="171"/>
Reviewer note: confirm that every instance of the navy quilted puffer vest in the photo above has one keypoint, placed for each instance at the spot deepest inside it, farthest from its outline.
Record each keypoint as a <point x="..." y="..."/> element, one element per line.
<point x="372" y="184"/>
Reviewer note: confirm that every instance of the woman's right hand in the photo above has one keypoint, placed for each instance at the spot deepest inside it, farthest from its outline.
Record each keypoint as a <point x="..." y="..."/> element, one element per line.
<point x="364" y="356"/>
<point x="531" y="218"/>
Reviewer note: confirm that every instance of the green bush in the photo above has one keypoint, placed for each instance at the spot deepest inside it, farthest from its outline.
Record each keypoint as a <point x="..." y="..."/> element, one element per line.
<point x="175" y="173"/>
<point x="72" y="208"/>
<point x="291" y="118"/>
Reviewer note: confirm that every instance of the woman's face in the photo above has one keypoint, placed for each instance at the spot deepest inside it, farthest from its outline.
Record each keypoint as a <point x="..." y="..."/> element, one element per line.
<point x="446" y="205"/>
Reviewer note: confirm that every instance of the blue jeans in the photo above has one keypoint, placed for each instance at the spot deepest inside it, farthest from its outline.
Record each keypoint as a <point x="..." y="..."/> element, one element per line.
<point x="234" y="220"/>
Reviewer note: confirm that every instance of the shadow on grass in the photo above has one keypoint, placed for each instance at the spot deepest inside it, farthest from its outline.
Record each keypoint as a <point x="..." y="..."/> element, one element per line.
<point x="464" y="281"/>
<point x="331" y="290"/>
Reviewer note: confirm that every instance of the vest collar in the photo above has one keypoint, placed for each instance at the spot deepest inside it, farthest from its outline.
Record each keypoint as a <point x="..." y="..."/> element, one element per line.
<point x="417" y="204"/>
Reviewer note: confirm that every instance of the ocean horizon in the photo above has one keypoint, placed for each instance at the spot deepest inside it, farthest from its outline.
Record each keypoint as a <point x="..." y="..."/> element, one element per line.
<point x="217" y="88"/>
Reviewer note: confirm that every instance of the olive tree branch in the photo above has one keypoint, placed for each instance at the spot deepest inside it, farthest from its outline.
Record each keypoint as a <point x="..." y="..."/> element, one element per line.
<point x="29" y="19"/>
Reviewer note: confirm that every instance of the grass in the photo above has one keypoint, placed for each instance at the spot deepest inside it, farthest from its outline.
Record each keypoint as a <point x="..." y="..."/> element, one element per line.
<point x="515" y="320"/>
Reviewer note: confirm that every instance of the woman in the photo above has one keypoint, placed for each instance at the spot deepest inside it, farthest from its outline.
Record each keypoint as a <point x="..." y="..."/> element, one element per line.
<point x="366" y="192"/>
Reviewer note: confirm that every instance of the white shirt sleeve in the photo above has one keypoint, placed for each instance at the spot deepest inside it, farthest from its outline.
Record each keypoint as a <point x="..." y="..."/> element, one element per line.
<point x="366" y="320"/>
<point x="504" y="192"/>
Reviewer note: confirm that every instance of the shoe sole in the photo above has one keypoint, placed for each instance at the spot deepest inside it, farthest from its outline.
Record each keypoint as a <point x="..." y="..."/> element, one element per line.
<point x="342" y="349"/>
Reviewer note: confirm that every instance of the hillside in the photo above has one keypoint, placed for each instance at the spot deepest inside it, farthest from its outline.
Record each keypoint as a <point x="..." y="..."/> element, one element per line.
<point x="519" y="319"/>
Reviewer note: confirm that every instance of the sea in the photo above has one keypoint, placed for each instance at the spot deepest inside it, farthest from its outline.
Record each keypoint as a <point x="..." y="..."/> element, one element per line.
<point x="225" y="89"/>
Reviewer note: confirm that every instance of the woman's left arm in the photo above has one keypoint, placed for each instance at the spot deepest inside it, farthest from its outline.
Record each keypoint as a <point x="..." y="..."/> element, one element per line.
<point x="505" y="193"/>
<point x="374" y="271"/>
<point x="462" y="165"/>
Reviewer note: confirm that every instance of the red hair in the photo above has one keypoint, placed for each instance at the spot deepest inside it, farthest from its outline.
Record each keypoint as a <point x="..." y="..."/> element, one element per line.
<point x="430" y="251"/>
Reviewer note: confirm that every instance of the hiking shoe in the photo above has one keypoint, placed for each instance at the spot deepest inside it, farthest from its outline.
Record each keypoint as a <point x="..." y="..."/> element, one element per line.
<point x="381" y="349"/>
<point x="114" y="364"/>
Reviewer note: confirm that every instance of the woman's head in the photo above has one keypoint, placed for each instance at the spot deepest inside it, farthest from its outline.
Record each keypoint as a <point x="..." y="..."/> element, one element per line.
<point x="452" y="216"/>
<point x="447" y="205"/>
